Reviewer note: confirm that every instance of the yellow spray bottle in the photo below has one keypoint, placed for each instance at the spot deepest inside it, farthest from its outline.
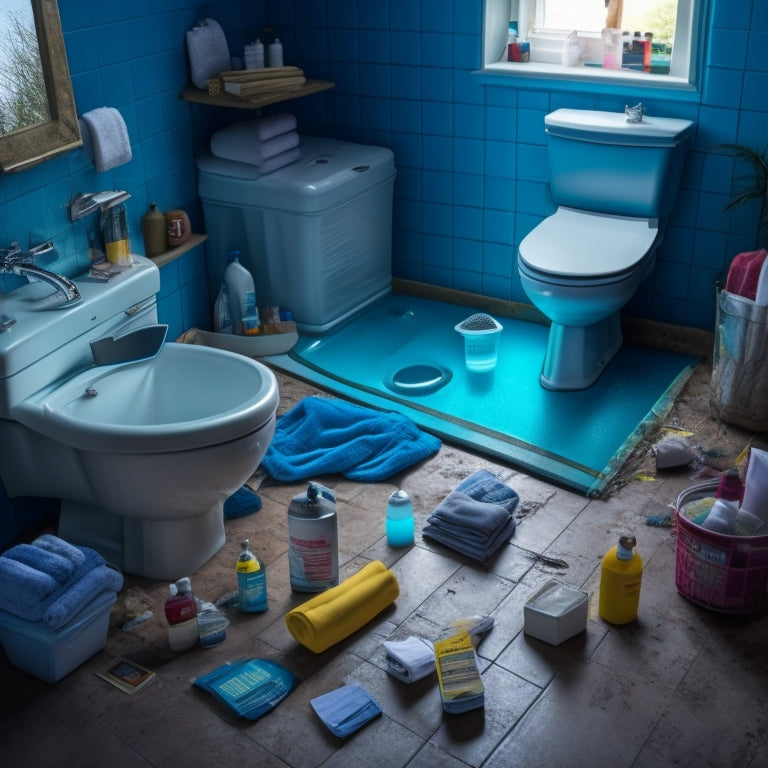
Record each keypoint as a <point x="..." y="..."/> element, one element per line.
<point x="620" y="578"/>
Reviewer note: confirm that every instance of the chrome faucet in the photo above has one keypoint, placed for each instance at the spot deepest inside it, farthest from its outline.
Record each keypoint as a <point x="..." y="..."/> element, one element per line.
<point x="14" y="261"/>
<point x="87" y="203"/>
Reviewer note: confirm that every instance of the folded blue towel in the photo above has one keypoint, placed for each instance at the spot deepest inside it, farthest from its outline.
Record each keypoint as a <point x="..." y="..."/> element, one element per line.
<point x="51" y="543"/>
<point x="19" y="581"/>
<point x="26" y="592"/>
<point x="346" y="709"/>
<point x="100" y="579"/>
<point x="325" y="435"/>
<point x="61" y="568"/>
<point x="476" y="518"/>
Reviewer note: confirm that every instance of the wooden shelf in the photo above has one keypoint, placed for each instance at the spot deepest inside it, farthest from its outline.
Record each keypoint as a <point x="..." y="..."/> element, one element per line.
<point x="256" y="102"/>
<point x="174" y="253"/>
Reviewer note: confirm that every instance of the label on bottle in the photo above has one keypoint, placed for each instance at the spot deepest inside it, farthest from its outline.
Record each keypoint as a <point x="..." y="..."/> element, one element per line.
<point x="252" y="588"/>
<point x="311" y="558"/>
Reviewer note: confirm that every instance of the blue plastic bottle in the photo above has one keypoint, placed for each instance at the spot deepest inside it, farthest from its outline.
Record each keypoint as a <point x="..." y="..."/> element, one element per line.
<point x="251" y="581"/>
<point x="400" y="523"/>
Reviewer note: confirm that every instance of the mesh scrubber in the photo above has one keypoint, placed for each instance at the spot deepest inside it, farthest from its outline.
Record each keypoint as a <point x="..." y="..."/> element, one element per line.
<point x="478" y="322"/>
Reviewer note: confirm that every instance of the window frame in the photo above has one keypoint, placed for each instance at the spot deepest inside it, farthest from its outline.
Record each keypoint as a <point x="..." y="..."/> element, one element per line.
<point x="683" y="81"/>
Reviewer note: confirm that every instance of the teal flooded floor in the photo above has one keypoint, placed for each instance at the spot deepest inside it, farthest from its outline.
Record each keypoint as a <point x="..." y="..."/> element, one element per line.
<point x="578" y="438"/>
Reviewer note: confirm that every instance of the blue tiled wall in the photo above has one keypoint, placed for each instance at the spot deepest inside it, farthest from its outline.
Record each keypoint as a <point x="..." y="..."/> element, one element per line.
<point x="471" y="157"/>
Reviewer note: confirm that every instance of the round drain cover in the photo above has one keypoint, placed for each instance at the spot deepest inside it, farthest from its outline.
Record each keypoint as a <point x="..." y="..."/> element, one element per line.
<point x="418" y="379"/>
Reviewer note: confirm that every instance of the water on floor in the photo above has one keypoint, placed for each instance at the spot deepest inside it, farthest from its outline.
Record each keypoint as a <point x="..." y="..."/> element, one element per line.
<point x="403" y="353"/>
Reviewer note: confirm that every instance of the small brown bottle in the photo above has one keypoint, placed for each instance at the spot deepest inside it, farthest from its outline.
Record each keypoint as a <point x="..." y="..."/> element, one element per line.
<point x="153" y="228"/>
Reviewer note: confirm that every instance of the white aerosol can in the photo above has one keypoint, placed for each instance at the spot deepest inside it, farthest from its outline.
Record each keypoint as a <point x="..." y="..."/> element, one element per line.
<point x="313" y="540"/>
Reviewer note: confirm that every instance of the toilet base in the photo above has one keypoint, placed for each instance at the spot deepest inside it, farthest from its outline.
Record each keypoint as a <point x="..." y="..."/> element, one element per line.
<point x="164" y="550"/>
<point x="577" y="355"/>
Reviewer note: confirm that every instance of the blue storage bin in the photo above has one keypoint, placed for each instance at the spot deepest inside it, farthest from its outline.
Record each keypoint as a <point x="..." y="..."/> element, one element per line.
<point x="50" y="655"/>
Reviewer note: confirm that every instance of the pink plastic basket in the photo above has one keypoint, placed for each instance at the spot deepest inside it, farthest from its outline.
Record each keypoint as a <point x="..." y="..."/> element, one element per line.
<point x="719" y="572"/>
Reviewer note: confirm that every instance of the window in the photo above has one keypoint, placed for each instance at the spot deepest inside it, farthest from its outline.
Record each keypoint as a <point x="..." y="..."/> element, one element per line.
<point x="657" y="45"/>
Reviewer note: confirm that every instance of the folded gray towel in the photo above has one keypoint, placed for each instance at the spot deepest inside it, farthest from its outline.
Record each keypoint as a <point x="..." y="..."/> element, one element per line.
<point x="208" y="52"/>
<point x="240" y="142"/>
<point x="108" y="138"/>
<point x="267" y="128"/>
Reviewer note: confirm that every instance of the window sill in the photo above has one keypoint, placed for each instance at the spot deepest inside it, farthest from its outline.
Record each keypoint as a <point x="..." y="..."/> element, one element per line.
<point x="626" y="83"/>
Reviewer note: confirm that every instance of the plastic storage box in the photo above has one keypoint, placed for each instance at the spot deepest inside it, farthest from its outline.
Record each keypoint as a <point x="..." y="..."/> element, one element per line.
<point x="50" y="655"/>
<point x="717" y="571"/>
<point x="556" y="613"/>
<point x="316" y="234"/>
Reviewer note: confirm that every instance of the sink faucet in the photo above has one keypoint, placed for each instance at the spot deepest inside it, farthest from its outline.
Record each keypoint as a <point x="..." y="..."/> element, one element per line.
<point x="17" y="262"/>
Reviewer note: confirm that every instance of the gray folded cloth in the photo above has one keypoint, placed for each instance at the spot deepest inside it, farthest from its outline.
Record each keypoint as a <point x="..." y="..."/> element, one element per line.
<point x="476" y="518"/>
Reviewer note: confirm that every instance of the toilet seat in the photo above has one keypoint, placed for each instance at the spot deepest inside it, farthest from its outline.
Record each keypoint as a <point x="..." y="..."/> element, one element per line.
<point x="584" y="246"/>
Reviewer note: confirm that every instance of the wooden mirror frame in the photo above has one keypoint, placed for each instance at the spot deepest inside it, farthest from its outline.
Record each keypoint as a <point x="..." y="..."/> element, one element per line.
<point x="29" y="146"/>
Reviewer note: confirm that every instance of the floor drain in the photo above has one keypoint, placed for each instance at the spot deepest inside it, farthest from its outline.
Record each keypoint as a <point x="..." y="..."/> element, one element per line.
<point x="418" y="379"/>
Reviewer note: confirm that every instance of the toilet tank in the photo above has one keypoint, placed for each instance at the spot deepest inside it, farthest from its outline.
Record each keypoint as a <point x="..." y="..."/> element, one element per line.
<point x="600" y="162"/>
<point x="316" y="234"/>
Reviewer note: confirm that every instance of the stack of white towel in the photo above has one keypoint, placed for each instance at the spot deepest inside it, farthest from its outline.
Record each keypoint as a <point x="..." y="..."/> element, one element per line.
<point x="268" y="143"/>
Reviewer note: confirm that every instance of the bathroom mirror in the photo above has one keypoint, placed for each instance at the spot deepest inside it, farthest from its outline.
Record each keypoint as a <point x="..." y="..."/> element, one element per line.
<point x="49" y="126"/>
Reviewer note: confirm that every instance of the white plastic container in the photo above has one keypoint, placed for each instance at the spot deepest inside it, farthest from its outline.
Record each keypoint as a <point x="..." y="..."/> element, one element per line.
<point x="556" y="613"/>
<point x="275" y="54"/>
<point x="239" y="282"/>
<point x="50" y="655"/>
<point x="315" y="234"/>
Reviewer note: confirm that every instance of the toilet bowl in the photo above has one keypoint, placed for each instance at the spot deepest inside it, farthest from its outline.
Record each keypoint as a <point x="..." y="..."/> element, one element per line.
<point x="142" y="452"/>
<point x="613" y="182"/>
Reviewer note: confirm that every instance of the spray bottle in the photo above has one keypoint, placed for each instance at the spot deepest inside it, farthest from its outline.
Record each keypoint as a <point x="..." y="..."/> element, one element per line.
<point x="620" y="578"/>
<point x="313" y="540"/>
<point x="251" y="581"/>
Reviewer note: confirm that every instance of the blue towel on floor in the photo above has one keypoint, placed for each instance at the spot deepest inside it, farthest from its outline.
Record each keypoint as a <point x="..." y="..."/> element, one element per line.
<point x="242" y="502"/>
<point x="25" y="591"/>
<point x="476" y="518"/>
<point x="321" y="436"/>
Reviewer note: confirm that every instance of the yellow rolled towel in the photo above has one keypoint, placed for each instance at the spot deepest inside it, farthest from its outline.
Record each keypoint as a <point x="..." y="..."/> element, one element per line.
<point x="335" y="614"/>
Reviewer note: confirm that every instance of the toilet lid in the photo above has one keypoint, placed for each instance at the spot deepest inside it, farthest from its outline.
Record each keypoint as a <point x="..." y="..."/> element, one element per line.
<point x="582" y="244"/>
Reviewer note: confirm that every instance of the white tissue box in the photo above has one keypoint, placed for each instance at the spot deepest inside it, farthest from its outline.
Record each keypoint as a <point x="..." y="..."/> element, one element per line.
<point x="50" y="655"/>
<point x="556" y="613"/>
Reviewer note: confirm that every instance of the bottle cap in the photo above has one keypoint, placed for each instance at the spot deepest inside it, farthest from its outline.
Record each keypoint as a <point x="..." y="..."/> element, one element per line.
<point x="399" y="499"/>
<point x="184" y="584"/>
<point x="626" y="545"/>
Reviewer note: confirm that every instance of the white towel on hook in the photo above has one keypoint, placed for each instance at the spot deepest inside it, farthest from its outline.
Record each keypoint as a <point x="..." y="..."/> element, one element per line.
<point x="208" y="52"/>
<point x="107" y="138"/>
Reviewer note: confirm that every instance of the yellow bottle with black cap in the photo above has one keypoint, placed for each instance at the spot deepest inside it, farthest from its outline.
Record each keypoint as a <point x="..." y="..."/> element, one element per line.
<point x="621" y="575"/>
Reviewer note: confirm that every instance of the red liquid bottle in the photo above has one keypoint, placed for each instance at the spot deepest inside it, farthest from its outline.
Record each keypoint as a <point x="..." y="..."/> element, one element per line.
<point x="181" y="614"/>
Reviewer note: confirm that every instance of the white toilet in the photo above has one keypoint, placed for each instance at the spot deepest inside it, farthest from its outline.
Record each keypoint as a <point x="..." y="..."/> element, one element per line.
<point x="143" y="445"/>
<point x="613" y="181"/>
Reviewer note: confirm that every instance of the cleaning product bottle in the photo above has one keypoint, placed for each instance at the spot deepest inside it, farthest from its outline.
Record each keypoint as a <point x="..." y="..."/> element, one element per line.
<point x="313" y="543"/>
<point x="251" y="581"/>
<point x="154" y="231"/>
<point x="181" y="614"/>
<point x="222" y="317"/>
<point x="239" y="282"/>
<point x="722" y="515"/>
<point x="275" y="54"/>
<point x="251" y="315"/>
<point x="400" y="523"/>
<point x="620" y="578"/>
